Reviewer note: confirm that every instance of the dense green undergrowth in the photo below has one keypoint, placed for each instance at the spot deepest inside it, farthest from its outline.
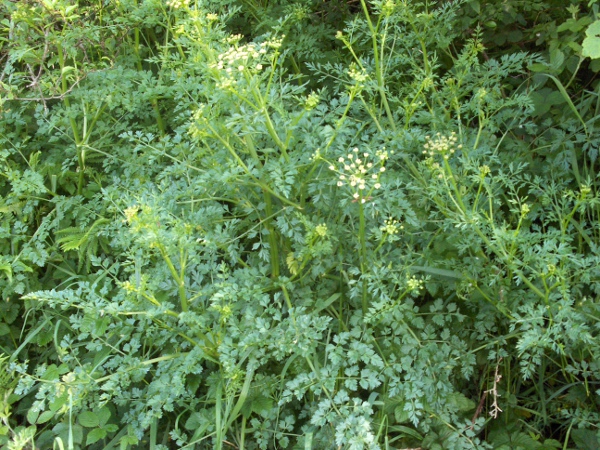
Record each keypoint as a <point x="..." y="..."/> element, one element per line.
<point x="299" y="224"/>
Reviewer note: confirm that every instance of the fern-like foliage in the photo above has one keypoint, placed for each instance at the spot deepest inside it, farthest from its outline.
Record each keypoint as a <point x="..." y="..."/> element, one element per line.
<point x="86" y="242"/>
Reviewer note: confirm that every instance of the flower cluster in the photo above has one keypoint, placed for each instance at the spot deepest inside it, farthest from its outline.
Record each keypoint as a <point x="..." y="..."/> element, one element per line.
<point x="311" y="101"/>
<point x="321" y="230"/>
<point x="388" y="7"/>
<point x="441" y="145"/>
<point x="177" y="4"/>
<point x="249" y="56"/>
<point x="358" y="75"/>
<point x="391" y="226"/>
<point x="484" y="170"/>
<point x="415" y="284"/>
<point x="360" y="173"/>
<point x="131" y="213"/>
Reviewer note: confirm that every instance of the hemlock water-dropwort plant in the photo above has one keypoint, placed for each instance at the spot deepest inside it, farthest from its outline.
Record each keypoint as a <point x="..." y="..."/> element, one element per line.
<point x="236" y="227"/>
<point x="358" y="172"/>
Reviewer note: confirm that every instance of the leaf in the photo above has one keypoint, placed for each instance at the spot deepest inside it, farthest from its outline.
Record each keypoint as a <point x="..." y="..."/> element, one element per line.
<point x="103" y="416"/>
<point x="32" y="416"/>
<point x="194" y="421"/>
<point x="7" y="269"/>
<point x="544" y="99"/>
<point x="595" y="65"/>
<point x="406" y="431"/>
<point x="539" y="67"/>
<point x="51" y="373"/>
<point x="400" y="414"/>
<point x="565" y="95"/>
<point x="88" y="419"/>
<point x="4" y="329"/>
<point x="475" y="6"/>
<point x="461" y="402"/>
<point x="257" y="405"/>
<point x="514" y="441"/>
<point x="323" y="304"/>
<point x="67" y="69"/>
<point x="95" y="435"/>
<point x="591" y="47"/>
<point x="550" y="444"/>
<point x="59" y="402"/>
<point x="585" y="439"/>
<point x="45" y="417"/>
<point x="557" y="58"/>
<point x="127" y="440"/>
<point x="439" y="272"/>
<point x="593" y="29"/>
<point x="591" y="44"/>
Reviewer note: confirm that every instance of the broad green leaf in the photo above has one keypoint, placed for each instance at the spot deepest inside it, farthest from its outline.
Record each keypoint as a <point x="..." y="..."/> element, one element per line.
<point x="325" y="303"/>
<point x="406" y="431"/>
<point x="591" y="47"/>
<point x="400" y="414"/>
<point x="51" y="373"/>
<point x="551" y="444"/>
<point x="95" y="435"/>
<point x="461" y="402"/>
<point x="103" y="416"/>
<point x="475" y="6"/>
<point x="7" y="269"/>
<point x="126" y="441"/>
<point x="88" y="419"/>
<point x="194" y="421"/>
<point x="68" y="69"/>
<point x="591" y="44"/>
<point x="59" y="402"/>
<point x="4" y="329"/>
<point x="593" y="29"/>
<point x="257" y="404"/>
<point x="543" y="100"/>
<point x="32" y="416"/>
<point x="585" y="439"/>
<point x="45" y="417"/>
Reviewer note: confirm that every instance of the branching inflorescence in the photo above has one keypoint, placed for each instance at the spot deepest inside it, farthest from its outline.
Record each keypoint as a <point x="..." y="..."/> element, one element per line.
<point x="250" y="57"/>
<point x="361" y="172"/>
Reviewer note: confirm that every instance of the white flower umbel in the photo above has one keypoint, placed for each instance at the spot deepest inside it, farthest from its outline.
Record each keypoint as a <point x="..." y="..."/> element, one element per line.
<point x="391" y="226"/>
<point x="245" y="59"/>
<point x="441" y="145"/>
<point x="178" y="4"/>
<point x="361" y="171"/>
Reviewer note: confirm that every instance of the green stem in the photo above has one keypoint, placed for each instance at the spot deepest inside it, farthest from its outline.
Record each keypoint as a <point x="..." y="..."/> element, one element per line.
<point x="179" y="280"/>
<point x="262" y="107"/>
<point x="363" y="252"/>
<point x="273" y="247"/>
<point x="479" y="189"/>
<point x="248" y="172"/>
<point x="273" y="244"/>
<point x="76" y="137"/>
<point x="154" y="102"/>
<point x="378" y="66"/>
<point x="459" y="201"/>
<point x="480" y="130"/>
